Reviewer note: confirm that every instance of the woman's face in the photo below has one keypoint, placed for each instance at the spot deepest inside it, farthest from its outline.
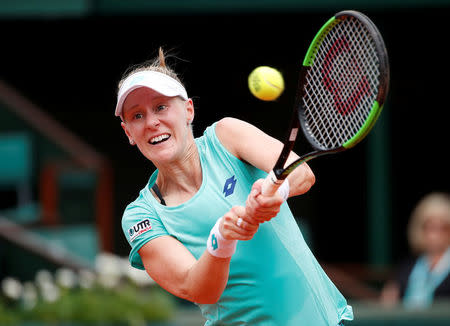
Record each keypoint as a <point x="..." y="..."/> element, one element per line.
<point x="157" y="124"/>
<point x="436" y="232"/>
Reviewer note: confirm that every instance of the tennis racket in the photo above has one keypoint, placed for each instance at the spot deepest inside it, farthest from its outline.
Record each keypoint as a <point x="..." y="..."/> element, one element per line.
<point x="342" y="87"/>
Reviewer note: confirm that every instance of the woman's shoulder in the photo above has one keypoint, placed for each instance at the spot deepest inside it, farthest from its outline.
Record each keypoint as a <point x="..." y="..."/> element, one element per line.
<point x="140" y="213"/>
<point x="218" y="135"/>
<point x="228" y="127"/>
<point x="222" y="127"/>
<point x="231" y="132"/>
<point x="143" y="203"/>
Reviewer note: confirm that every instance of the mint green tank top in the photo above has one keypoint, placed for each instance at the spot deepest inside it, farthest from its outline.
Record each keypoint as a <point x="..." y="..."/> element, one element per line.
<point x="274" y="278"/>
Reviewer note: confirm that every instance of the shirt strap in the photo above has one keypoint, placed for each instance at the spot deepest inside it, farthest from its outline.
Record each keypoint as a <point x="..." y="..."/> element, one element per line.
<point x="155" y="188"/>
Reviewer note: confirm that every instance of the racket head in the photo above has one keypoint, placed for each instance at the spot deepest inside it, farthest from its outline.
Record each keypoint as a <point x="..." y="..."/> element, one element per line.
<point x="344" y="83"/>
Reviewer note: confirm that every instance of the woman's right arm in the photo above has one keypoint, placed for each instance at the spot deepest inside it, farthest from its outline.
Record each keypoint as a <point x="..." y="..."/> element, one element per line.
<point x="174" y="268"/>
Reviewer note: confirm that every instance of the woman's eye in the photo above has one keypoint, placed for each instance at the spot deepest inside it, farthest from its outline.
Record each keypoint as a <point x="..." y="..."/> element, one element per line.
<point x="161" y="107"/>
<point x="138" y="116"/>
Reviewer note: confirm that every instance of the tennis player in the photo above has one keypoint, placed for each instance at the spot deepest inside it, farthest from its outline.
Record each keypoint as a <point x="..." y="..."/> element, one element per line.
<point x="188" y="227"/>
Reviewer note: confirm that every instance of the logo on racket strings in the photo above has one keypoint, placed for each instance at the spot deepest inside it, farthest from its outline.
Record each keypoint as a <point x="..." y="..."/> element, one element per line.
<point x="339" y="87"/>
<point x="228" y="188"/>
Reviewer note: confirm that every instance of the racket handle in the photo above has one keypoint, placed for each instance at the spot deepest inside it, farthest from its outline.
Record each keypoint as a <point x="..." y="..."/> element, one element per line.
<point x="271" y="184"/>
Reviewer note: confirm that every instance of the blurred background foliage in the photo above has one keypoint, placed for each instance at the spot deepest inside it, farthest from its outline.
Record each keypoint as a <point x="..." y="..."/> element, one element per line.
<point x="113" y="294"/>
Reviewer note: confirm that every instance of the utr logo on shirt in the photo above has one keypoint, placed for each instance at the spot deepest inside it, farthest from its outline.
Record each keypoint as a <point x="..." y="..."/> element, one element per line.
<point x="228" y="188"/>
<point x="139" y="228"/>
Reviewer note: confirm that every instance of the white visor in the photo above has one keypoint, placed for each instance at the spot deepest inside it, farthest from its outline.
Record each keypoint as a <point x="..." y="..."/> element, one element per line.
<point x="157" y="81"/>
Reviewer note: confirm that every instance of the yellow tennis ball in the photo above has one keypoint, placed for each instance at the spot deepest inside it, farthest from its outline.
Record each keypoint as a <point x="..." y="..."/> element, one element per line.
<point x="266" y="83"/>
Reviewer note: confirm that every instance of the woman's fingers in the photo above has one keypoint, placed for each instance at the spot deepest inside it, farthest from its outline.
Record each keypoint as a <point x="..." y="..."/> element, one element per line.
<point x="262" y="208"/>
<point x="237" y="226"/>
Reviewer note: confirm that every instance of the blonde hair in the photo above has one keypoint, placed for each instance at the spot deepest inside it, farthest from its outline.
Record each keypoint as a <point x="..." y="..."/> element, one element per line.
<point x="433" y="205"/>
<point x="158" y="64"/>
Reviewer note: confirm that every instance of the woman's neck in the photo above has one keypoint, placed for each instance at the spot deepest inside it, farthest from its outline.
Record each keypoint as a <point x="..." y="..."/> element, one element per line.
<point x="178" y="181"/>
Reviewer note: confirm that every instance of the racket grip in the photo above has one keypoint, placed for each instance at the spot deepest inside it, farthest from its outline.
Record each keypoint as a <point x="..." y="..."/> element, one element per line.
<point x="271" y="184"/>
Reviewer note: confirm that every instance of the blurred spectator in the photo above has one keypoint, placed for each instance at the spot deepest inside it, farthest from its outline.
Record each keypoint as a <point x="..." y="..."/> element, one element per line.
<point x="424" y="278"/>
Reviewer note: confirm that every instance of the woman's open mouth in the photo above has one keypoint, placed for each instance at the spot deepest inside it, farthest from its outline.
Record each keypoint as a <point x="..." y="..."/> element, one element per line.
<point x="159" y="139"/>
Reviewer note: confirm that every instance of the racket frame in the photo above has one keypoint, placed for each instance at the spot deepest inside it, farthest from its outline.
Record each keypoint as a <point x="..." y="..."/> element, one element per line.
<point x="280" y="172"/>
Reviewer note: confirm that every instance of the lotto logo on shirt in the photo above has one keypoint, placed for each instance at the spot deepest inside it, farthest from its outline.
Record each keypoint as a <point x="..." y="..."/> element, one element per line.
<point x="229" y="185"/>
<point x="139" y="228"/>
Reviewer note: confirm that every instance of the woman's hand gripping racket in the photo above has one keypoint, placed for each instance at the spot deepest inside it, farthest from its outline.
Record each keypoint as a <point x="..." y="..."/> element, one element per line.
<point x="342" y="87"/>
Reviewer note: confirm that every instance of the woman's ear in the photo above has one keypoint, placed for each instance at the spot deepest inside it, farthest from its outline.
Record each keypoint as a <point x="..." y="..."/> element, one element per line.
<point x="130" y="139"/>
<point x="190" y="113"/>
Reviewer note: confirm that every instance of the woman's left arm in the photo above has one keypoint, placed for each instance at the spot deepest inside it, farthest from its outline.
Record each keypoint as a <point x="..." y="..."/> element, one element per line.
<point x="250" y="144"/>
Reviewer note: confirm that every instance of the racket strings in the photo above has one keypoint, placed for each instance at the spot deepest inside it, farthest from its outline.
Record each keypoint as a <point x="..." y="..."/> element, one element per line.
<point x="342" y="84"/>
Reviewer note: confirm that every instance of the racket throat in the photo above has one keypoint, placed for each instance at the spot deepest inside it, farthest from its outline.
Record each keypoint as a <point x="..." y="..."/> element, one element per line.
<point x="278" y="170"/>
